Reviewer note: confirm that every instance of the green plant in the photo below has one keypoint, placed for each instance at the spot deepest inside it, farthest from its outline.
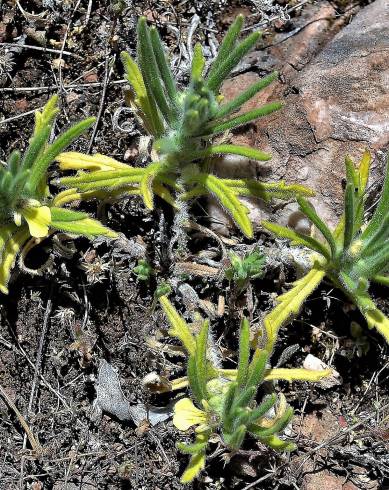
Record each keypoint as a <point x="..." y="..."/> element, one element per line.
<point x="143" y="270"/>
<point x="27" y="211"/>
<point x="228" y="397"/>
<point x="356" y="253"/>
<point x="242" y="270"/>
<point x="182" y="124"/>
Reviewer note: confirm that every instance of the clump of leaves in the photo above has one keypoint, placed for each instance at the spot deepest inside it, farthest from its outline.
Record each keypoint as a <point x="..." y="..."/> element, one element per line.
<point x="226" y="400"/>
<point x="143" y="270"/>
<point x="182" y="123"/>
<point x="242" y="270"/>
<point x="356" y="253"/>
<point x="27" y="210"/>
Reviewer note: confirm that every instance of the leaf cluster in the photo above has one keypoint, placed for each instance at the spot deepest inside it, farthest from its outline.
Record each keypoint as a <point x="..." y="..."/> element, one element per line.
<point x="353" y="255"/>
<point x="27" y="210"/>
<point x="229" y="398"/>
<point x="182" y="123"/>
<point x="242" y="270"/>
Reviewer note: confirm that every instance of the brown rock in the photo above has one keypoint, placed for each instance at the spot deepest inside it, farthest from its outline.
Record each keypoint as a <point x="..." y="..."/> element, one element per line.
<point x="21" y="105"/>
<point x="319" y="427"/>
<point x="91" y="77"/>
<point x="324" y="480"/>
<point x="337" y="104"/>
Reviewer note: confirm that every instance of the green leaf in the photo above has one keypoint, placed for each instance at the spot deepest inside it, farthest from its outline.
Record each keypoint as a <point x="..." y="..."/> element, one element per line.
<point x="249" y="116"/>
<point x="150" y="71"/>
<point x="38" y="171"/>
<point x="78" y="223"/>
<point x="257" y="368"/>
<point x="308" y="210"/>
<point x="193" y="380"/>
<point x="201" y="359"/>
<point x="163" y="66"/>
<point x="36" y="147"/>
<point x="244" y="353"/>
<point x="227" y="199"/>
<point x="47" y="116"/>
<point x="242" y="98"/>
<point x="244" y="151"/>
<point x="349" y="214"/>
<point x="351" y="173"/>
<point x="377" y="238"/>
<point x="227" y="414"/>
<point x="198" y="63"/>
<point x="151" y="118"/>
<point x="278" y="444"/>
<point x="262" y="409"/>
<point x="278" y="426"/>
<point x="227" y="44"/>
<point x="179" y="327"/>
<point x="380" y="279"/>
<point x="225" y="66"/>
<point x="382" y="208"/>
<point x="297" y="238"/>
<point x="266" y="191"/>
<point x="289" y="304"/>
<point x="191" y="448"/>
<point x="235" y="440"/>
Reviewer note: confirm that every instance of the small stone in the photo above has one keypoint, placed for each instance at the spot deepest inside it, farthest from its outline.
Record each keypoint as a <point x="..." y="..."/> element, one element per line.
<point x="315" y="364"/>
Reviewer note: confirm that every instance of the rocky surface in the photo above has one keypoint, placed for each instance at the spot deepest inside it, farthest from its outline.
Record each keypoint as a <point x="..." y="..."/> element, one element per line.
<point x="335" y="84"/>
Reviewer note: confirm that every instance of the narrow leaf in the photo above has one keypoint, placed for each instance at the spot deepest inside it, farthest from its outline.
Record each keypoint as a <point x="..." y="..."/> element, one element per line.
<point x="227" y="199"/>
<point x="297" y="238"/>
<point x="198" y="63"/>
<point x="40" y="168"/>
<point x="289" y="304"/>
<point x="8" y="255"/>
<point x="382" y="208"/>
<point x="78" y="223"/>
<point x="179" y="328"/>
<point x="242" y="98"/>
<point x="224" y="68"/>
<point x="227" y="44"/>
<point x="163" y="66"/>
<point x="244" y="151"/>
<point x="218" y="128"/>
<point x="308" y="210"/>
<point x="244" y="353"/>
<point x="349" y="215"/>
<point x="151" y="117"/>
<point x="150" y="71"/>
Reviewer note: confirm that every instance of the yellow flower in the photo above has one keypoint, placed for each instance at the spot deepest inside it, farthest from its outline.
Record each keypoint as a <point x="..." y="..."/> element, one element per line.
<point x="38" y="220"/>
<point x="186" y="415"/>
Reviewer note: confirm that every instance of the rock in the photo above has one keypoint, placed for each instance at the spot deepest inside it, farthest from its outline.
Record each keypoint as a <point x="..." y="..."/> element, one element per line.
<point x="336" y="81"/>
<point x="315" y="364"/>
<point x="324" y="479"/>
<point x="319" y="426"/>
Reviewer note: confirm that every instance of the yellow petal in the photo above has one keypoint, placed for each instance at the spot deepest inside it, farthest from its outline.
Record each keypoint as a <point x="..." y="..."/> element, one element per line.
<point x="186" y="415"/>
<point x="196" y="464"/>
<point x="38" y="220"/>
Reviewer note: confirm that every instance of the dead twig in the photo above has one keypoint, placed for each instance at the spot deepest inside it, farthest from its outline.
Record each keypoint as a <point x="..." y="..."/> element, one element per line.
<point x="53" y="88"/>
<point x="107" y="76"/>
<point x="36" y="447"/>
<point x="40" y="48"/>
